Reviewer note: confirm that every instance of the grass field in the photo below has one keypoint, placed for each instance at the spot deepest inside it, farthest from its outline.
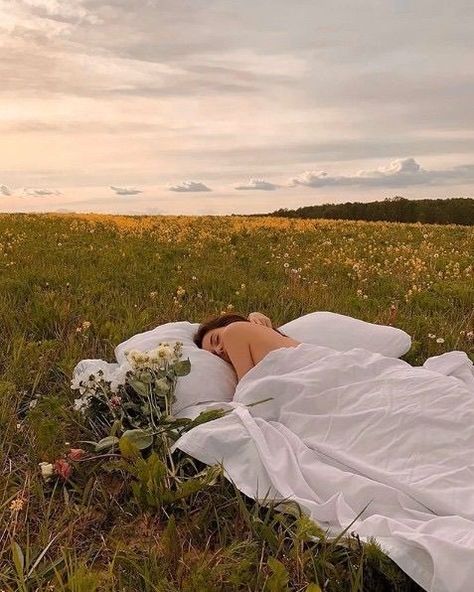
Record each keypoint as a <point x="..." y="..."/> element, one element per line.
<point x="73" y="286"/>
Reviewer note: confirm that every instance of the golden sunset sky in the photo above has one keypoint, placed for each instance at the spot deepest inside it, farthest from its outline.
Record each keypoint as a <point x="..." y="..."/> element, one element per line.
<point x="225" y="106"/>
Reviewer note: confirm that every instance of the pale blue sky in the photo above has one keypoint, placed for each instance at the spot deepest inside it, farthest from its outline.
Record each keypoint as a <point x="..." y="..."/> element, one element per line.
<point x="223" y="106"/>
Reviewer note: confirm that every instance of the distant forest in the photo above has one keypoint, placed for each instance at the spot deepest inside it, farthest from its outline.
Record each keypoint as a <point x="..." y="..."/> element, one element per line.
<point x="392" y="209"/>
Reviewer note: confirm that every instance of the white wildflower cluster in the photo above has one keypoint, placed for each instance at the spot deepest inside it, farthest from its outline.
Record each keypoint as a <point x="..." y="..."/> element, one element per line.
<point x="96" y="378"/>
<point x="156" y="358"/>
<point x="84" y="327"/>
<point x="82" y="403"/>
<point x="438" y="339"/>
<point x="47" y="470"/>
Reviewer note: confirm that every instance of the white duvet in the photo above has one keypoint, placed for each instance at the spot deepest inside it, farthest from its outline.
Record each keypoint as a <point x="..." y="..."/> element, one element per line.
<point x="347" y="429"/>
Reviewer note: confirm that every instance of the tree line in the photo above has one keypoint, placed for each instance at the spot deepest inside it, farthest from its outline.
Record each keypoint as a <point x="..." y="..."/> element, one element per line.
<point x="459" y="210"/>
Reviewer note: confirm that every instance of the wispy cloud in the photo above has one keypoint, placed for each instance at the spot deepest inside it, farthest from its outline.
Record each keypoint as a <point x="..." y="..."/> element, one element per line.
<point x="257" y="185"/>
<point x="37" y="192"/>
<point x="18" y="22"/>
<point x="189" y="187"/>
<point x="281" y="92"/>
<point x="125" y="190"/>
<point x="401" y="172"/>
<point x="74" y="10"/>
<point x="4" y="190"/>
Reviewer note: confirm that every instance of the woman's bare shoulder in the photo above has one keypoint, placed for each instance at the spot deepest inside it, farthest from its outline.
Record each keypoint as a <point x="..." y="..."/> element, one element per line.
<point x="247" y="328"/>
<point x="246" y="331"/>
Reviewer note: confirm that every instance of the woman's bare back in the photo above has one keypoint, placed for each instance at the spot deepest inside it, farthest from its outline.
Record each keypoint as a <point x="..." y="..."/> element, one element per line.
<point x="247" y="344"/>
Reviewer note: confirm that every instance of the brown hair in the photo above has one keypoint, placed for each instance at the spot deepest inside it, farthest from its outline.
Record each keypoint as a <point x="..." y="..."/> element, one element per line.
<point x="220" y="321"/>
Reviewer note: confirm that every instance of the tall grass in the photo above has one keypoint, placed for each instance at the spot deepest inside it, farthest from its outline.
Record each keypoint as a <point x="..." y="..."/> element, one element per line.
<point x="127" y="274"/>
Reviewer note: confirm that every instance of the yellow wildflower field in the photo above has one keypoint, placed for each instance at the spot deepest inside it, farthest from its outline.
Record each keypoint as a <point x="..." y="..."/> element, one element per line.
<point x="74" y="286"/>
<point x="125" y="274"/>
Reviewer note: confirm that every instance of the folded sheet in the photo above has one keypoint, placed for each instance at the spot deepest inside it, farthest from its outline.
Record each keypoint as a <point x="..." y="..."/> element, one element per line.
<point x="347" y="429"/>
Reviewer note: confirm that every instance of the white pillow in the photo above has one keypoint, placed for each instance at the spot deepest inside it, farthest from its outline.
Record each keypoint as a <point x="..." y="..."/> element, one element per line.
<point x="343" y="333"/>
<point x="213" y="379"/>
<point x="210" y="379"/>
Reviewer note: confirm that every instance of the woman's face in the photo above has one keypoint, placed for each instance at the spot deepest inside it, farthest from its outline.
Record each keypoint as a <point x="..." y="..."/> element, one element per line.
<point x="212" y="342"/>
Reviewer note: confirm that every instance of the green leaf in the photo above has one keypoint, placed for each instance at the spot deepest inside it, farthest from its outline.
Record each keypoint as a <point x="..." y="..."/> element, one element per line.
<point x="206" y="416"/>
<point x="162" y="386"/>
<point x="115" y="427"/>
<point x="146" y="377"/>
<point x="182" y="367"/>
<point x="266" y="533"/>
<point x="139" y="387"/>
<point x="278" y="581"/>
<point x="18" y="560"/>
<point x="128" y="448"/>
<point x="105" y="443"/>
<point x="313" y="588"/>
<point x="140" y="438"/>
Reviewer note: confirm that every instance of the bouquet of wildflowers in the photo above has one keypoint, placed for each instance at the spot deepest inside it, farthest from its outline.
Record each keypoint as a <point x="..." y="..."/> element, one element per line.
<point x="129" y="406"/>
<point x="135" y="399"/>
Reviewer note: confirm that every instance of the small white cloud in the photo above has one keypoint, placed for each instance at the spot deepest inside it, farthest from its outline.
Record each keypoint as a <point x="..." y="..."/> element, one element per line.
<point x="401" y="172"/>
<point x="313" y="179"/>
<point x="189" y="186"/>
<point x="257" y="185"/>
<point x="401" y="166"/>
<point x="4" y="190"/>
<point x="38" y="192"/>
<point x="125" y="190"/>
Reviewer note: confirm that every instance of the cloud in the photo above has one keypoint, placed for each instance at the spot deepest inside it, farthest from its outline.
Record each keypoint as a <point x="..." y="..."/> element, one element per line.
<point x="4" y="190"/>
<point x="40" y="192"/>
<point x="68" y="11"/>
<point x="400" y="166"/>
<point x="257" y="185"/>
<point x="189" y="187"/>
<point x="401" y="172"/>
<point x="19" y="22"/>
<point x="298" y="88"/>
<point x="125" y="190"/>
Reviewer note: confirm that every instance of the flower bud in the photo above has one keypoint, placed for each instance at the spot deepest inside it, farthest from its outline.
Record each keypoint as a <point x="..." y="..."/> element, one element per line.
<point x="76" y="453"/>
<point x="63" y="468"/>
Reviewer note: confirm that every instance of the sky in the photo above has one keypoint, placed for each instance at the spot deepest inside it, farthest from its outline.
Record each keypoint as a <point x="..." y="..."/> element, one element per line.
<point x="226" y="106"/>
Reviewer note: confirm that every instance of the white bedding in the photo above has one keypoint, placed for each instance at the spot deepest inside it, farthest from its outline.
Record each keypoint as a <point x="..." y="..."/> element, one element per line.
<point x="347" y="428"/>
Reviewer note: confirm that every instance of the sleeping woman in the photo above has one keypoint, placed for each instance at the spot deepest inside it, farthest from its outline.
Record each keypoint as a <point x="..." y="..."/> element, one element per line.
<point x="242" y="342"/>
<point x="357" y="438"/>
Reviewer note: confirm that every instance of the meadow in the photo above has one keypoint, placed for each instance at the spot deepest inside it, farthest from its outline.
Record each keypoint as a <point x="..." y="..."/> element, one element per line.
<point x="73" y="286"/>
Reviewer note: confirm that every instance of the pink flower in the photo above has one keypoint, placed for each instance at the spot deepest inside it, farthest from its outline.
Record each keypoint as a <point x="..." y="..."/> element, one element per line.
<point x="63" y="468"/>
<point x="76" y="453"/>
<point x="115" y="401"/>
